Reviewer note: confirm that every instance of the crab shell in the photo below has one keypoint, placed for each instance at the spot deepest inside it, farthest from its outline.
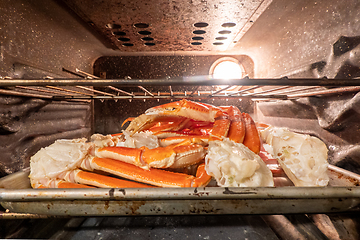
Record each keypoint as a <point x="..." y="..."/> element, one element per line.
<point x="142" y="164"/>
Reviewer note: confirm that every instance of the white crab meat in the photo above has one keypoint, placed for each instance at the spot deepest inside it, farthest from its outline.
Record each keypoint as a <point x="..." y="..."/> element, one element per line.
<point x="105" y="140"/>
<point x="302" y="157"/>
<point x="140" y="139"/>
<point x="136" y="140"/>
<point x="234" y="165"/>
<point x="54" y="161"/>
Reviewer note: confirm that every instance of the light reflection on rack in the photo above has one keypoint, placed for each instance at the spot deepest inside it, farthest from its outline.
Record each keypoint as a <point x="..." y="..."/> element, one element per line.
<point x="55" y="93"/>
<point x="76" y="90"/>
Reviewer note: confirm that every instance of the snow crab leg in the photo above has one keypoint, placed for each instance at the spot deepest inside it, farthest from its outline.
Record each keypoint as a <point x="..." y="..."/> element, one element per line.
<point x="153" y="176"/>
<point x="252" y="138"/>
<point x="227" y="121"/>
<point x="192" y="127"/>
<point x="98" y="180"/>
<point x="61" y="184"/>
<point x="175" y="155"/>
<point x="70" y="163"/>
<point x="83" y="179"/>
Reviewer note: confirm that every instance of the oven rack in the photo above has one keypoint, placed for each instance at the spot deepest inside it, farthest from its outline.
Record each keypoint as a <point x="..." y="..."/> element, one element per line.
<point x="342" y="195"/>
<point x="112" y="89"/>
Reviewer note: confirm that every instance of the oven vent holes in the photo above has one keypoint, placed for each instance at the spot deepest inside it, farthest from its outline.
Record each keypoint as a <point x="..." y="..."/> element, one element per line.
<point x="125" y="38"/>
<point x="141" y="33"/>
<point x="224" y="33"/>
<point x="221" y="37"/>
<point x="198" y="32"/>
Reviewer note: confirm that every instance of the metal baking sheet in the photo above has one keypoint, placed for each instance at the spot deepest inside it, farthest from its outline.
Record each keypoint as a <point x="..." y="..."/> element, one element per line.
<point x="342" y="195"/>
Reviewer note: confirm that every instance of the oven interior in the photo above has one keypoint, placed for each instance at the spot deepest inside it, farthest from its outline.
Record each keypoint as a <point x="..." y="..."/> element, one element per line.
<point x="311" y="49"/>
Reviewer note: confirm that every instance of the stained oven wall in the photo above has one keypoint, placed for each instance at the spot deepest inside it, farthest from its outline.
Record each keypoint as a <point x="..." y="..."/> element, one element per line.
<point x="291" y="38"/>
<point x="311" y="39"/>
<point x="38" y="39"/>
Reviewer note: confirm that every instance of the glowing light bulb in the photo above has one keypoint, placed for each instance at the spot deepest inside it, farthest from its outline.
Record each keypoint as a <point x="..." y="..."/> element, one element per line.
<point x="228" y="70"/>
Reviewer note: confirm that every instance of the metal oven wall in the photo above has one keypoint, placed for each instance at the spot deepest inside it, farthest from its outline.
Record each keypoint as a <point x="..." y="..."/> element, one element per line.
<point x="293" y="39"/>
<point x="38" y="39"/>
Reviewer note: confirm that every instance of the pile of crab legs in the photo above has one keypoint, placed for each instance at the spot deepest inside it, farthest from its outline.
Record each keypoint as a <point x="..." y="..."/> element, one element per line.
<point x="184" y="129"/>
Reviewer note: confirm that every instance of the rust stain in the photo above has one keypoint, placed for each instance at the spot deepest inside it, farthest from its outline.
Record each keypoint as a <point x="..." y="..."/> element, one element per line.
<point x="135" y="205"/>
<point x="123" y="191"/>
<point x="200" y="194"/>
<point x="202" y="208"/>
<point x="106" y="207"/>
<point x="111" y="193"/>
<point x="228" y="191"/>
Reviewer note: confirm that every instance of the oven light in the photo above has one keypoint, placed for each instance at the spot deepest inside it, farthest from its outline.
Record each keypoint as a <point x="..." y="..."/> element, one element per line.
<point x="227" y="68"/>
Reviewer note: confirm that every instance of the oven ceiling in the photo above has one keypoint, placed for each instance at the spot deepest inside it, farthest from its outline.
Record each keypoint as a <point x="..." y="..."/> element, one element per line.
<point x="192" y="25"/>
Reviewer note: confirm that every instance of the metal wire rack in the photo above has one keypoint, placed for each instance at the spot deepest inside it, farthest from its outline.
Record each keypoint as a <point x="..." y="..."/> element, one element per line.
<point x="91" y="87"/>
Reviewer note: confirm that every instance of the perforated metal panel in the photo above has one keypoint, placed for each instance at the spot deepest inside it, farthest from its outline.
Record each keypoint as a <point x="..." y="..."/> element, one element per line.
<point x="192" y="25"/>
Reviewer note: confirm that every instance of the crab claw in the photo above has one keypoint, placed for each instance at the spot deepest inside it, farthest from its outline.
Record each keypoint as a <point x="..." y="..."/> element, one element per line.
<point x="188" y="109"/>
<point x="155" y="123"/>
<point x="141" y="122"/>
